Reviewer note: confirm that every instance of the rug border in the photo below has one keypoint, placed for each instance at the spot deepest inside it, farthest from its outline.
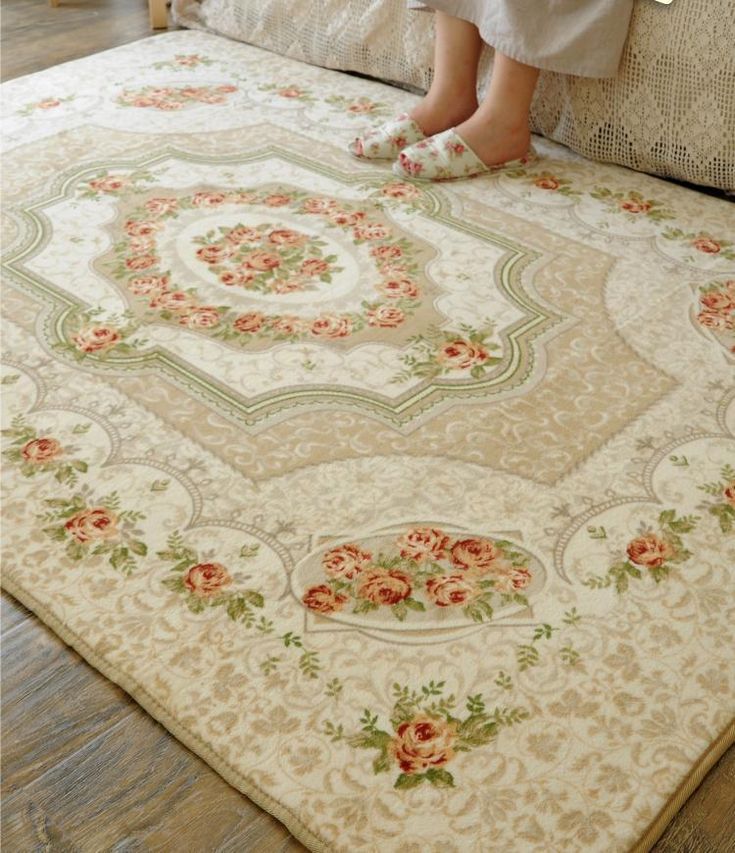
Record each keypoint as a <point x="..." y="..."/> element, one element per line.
<point x="150" y="704"/>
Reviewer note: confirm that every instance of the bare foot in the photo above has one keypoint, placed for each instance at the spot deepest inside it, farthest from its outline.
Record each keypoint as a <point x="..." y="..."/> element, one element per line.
<point x="494" y="142"/>
<point x="435" y="114"/>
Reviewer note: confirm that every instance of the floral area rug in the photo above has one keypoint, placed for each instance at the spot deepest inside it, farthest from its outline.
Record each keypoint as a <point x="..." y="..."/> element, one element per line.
<point x="408" y="507"/>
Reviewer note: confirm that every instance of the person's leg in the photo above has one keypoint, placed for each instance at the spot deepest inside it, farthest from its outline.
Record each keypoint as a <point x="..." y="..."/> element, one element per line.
<point x="452" y="97"/>
<point x="499" y="128"/>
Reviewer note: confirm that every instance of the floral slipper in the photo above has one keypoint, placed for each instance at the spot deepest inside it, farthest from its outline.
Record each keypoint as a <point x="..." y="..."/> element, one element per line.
<point x="388" y="140"/>
<point x="447" y="157"/>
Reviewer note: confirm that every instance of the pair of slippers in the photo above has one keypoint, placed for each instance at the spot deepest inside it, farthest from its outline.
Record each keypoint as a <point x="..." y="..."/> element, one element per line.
<point x="442" y="157"/>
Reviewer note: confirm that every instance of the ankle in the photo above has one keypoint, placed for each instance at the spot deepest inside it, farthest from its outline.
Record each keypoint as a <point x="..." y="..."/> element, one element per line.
<point x="506" y="121"/>
<point x="438" y="112"/>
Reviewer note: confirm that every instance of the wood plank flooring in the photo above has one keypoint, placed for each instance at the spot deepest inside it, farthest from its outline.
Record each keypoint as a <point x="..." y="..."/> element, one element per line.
<point x="84" y="768"/>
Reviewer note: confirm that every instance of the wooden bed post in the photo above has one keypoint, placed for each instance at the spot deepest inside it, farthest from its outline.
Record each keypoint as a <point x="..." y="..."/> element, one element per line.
<point x="158" y="13"/>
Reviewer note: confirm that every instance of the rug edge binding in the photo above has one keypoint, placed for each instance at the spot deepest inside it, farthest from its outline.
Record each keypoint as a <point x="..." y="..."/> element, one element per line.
<point x="150" y="704"/>
<point x="152" y="707"/>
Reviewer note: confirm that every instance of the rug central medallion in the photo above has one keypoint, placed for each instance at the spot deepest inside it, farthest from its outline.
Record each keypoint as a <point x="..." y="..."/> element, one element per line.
<point x="267" y="281"/>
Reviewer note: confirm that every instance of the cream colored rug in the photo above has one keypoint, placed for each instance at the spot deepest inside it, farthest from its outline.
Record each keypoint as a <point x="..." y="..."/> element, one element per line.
<point x="409" y="508"/>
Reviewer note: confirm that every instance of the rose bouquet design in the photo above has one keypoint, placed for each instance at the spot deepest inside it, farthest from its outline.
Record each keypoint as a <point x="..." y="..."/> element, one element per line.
<point x="204" y="582"/>
<point x="428" y="733"/>
<point x="653" y="552"/>
<point x="423" y="568"/>
<point x="440" y="352"/>
<point x="717" y="310"/>
<point x="703" y="242"/>
<point x="723" y="505"/>
<point x="632" y="204"/>
<point x="36" y="454"/>
<point x="92" y="528"/>
<point x="174" y="98"/>
<point x="266" y="258"/>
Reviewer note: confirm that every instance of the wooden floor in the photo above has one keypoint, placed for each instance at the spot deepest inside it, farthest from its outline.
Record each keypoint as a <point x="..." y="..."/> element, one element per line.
<point x="84" y="768"/>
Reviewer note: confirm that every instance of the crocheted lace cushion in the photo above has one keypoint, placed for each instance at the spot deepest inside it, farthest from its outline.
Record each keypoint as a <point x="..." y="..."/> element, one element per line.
<point x="668" y="111"/>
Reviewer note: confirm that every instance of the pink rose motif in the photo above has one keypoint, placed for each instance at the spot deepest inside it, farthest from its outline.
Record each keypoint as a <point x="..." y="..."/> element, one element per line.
<point x="370" y="232"/>
<point x="144" y="103"/>
<point x="547" y="182"/>
<point x="147" y="285"/>
<point x="718" y="301"/>
<point x="384" y="587"/>
<point x="290" y="285"/>
<point x="95" y="523"/>
<point x="290" y="92"/>
<point x="96" y="338"/>
<point x="141" y="228"/>
<point x="451" y="590"/>
<point x="314" y="266"/>
<point x="249" y="323"/>
<point x="386" y="317"/>
<point x="288" y="325"/>
<point x="193" y="92"/>
<point x="476" y="555"/>
<point x="412" y="167"/>
<point x="109" y="184"/>
<point x="509" y="578"/>
<point x="361" y="107"/>
<point x="204" y="317"/>
<point x="461" y="355"/>
<point x="40" y="450"/>
<point x="141" y="246"/>
<point x="170" y="105"/>
<point x="277" y="200"/>
<point x="423" y="743"/>
<point x="399" y="288"/>
<point x="393" y="270"/>
<point x="141" y="262"/>
<point x="345" y="561"/>
<point x="358" y="147"/>
<point x="211" y="98"/>
<point x="707" y="245"/>
<point x="319" y="205"/>
<point x="161" y="206"/>
<point x="213" y="253"/>
<point x="716" y="321"/>
<point x="206" y="579"/>
<point x="323" y="599"/>
<point x="344" y="217"/>
<point x="729" y="493"/>
<point x="261" y="260"/>
<point x="649" y="551"/>
<point x="631" y="206"/>
<point x="188" y="61"/>
<point x="209" y="199"/>
<point x="48" y="104"/>
<point x="175" y="300"/>
<point x="386" y="252"/>
<point x="243" y="234"/>
<point x="400" y="190"/>
<point x="286" y="237"/>
<point x="330" y="326"/>
<point x="230" y="278"/>
<point x="423" y="543"/>
<point x="227" y="88"/>
<point x="242" y="198"/>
